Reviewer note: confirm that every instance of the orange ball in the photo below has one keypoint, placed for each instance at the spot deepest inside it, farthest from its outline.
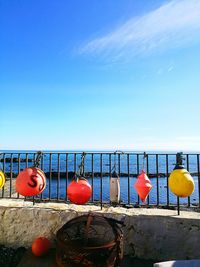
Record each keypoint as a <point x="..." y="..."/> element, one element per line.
<point x="30" y="182"/>
<point x="79" y="192"/>
<point x="40" y="246"/>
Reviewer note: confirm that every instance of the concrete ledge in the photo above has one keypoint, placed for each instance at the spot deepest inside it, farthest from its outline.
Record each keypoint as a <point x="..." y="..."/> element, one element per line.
<point x="148" y="233"/>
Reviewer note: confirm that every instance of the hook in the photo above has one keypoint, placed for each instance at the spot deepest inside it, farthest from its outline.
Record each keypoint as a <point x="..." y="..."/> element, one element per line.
<point x="179" y="161"/>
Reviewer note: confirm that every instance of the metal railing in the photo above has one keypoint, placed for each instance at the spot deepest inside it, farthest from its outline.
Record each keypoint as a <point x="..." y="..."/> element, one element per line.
<point x="60" y="167"/>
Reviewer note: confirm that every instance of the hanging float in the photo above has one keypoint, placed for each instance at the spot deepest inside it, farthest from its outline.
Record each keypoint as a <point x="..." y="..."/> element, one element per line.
<point x="2" y="175"/>
<point x="181" y="182"/>
<point x="114" y="188"/>
<point x="31" y="181"/>
<point x="79" y="191"/>
<point x="143" y="186"/>
<point x="115" y="183"/>
<point x="2" y="179"/>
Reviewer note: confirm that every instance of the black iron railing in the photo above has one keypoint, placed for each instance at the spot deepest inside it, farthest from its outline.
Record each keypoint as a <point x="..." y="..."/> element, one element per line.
<point x="60" y="168"/>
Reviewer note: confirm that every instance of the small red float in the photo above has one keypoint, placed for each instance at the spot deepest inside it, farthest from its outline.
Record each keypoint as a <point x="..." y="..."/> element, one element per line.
<point x="40" y="246"/>
<point x="79" y="191"/>
<point x="30" y="182"/>
<point x="143" y="186"/>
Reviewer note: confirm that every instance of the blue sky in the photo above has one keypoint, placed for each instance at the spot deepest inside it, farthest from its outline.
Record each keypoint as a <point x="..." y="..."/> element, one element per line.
<point x="100" y="74"/>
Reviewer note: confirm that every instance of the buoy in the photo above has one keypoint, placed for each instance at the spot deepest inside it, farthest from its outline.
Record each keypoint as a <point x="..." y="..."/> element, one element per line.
<point x="181" y="182"/>
<point x="30" y="182"/>
<point x="143" y="186"/>
<point x="114" y="188"/>
<point x="2" y="179"/>
<point x="40" y="246"/>
<point x="79" y="191"/>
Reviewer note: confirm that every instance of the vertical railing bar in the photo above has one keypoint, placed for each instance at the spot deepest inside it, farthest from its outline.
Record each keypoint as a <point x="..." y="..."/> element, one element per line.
<point x="26" y="167"/>
<point x="84" y="165"/>
<point x="74" y="163"/>
<point x="101" y="187"/>
<point x="92" y="162"/>
<point x="42" y="168"/>
<point x="11" y="173"/>
<point x="67" y="176"/>
<point x="119" y="164"/>
<point x="35" y="155"/>
<point x="75" y="159"/>
<point x="157" y="182"/>
<point x="26" y="160"/>
<point x="4" y="165"/>
<point x="138" y="170"/>
<point x="58" y="176"/>
<point x="119" y="173"/>
<point x="188" y="168"/>
<point x="19" y="160"/>
<point x="50" y="174"/>
<point x="198" y="170"/>
<point x="110" y="172"/>
<point x="4" y="162"/>
<point x="167" y="173"/>
<point x="128" y="170"/>
<point x="147" y="164"/>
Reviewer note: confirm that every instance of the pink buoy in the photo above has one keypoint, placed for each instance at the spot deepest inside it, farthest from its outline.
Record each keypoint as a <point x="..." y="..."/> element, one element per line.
<point x="143" y="186"/>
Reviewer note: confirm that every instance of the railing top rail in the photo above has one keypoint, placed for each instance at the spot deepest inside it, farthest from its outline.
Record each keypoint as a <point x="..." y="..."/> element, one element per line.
<point x="99" y="152"/>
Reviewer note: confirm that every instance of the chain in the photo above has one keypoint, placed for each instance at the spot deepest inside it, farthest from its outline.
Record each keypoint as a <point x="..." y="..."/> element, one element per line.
<point x="38" y="159"/>
<point x="81" y="166"/>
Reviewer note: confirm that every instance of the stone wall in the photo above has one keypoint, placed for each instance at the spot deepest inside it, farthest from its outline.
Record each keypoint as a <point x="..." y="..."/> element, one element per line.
<point x="148" y="233"/>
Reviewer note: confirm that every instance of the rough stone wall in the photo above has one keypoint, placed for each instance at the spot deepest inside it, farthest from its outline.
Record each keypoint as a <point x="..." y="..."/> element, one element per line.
<point x="148" y="233"/>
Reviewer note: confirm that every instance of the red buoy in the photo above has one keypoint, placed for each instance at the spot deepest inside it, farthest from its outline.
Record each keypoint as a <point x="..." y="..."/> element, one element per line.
<point x="30" y="182"/>
<point x="143" y="186"/>
<point x="79" y="191"/>
<point x="40" y="246"/>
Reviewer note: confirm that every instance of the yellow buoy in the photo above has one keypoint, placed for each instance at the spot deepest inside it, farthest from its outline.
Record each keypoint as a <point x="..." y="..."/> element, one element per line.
<point x="2" y="179"/>
<point x="181" y="183"/>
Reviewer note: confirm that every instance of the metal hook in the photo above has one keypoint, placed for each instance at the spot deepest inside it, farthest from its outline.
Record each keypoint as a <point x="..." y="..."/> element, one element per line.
<point x="179" y="161"/>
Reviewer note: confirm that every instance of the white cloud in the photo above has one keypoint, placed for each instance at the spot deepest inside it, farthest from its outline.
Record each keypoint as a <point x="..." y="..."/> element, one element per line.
<point x="172" y="25"/>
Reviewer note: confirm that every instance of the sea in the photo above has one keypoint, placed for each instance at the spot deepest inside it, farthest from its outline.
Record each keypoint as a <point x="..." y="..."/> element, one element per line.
<point x="128" y="165"/>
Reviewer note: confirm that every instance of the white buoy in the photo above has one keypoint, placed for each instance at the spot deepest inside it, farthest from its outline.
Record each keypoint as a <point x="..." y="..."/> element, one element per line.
<point x="114" y="188"/>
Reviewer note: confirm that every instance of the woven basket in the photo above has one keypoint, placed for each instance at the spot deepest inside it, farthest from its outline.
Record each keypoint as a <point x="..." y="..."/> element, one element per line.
<point x="90" y="240"/>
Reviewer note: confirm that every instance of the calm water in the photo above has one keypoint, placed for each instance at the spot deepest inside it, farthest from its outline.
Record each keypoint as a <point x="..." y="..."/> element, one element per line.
<point x="131" y="165"/>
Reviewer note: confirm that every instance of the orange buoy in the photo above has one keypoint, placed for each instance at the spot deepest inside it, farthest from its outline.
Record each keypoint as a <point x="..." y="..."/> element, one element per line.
<point x="143" y="186"/>
<point x="30" y="182"/>
<point x="40" y="246"/>
<point x="79" y="191"/>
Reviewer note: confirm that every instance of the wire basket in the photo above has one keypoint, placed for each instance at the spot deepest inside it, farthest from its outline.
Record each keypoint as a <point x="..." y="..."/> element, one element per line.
<point x="90" y="240"/>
